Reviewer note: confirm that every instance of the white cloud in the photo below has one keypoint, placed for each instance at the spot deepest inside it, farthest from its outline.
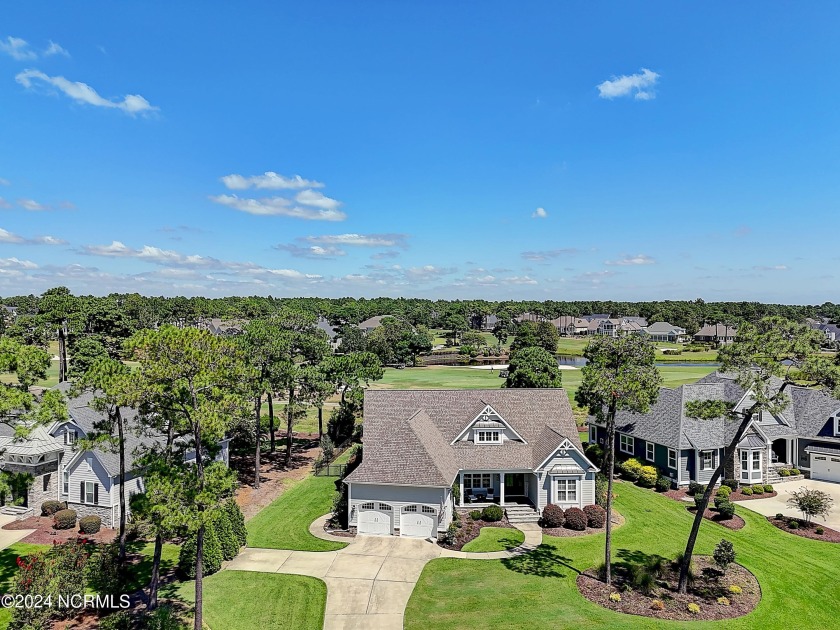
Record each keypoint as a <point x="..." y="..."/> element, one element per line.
<point x="48" y="240"/>
<point x="383" y="255"/>
<point x="519" y="280"/>
<point x="8" y="237"/>
<point x="312" y="251"/>
<point x="131" y="104"/>
<point x="4" y="204"/>
<point x="360" y="240"/>
<point x="539" y="213"/>
<point x="317" y="200"/>
<point x="55" y="49"/>
<point x="640" y="85"/>
<point x="32" y="205"/>
<point x="427" y="272"/>
<point x="638" y="259"/>
<point x="770" y="268"/>
<point x="270" y="181"/>
<point x="278" y="206"/>
<point x="17" y="49"/>
<point x="551" y="253"/>
<point x="16" y="263"/>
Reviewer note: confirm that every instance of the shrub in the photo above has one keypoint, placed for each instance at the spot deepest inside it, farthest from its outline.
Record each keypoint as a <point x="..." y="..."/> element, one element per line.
<point x="693" y="608"/>
<point x="48" y="508"/>
<point x="644" y="581"/>
<point x="450" y="535"/>
<point x="120" y="620"/>
<point x="723" y="601"/>
<point x="724" y="491"/>
<point x="724" y="554"/>
<point x="212" y="557"/>
<point x="719" y="500"/>
<point x="631" y="468"/>
<point x="224" y="532"/>
<point x="64" y="519"/>
<point x="698" y="499"/>
<point x="601" y="489"/>
<point x="795" y="471"/>
<point x="596" y="516"/>
<point x="475" y="515"/>
<point x="648" y="476"/>
<point x="90" y="524"/>
<point x="811" y="502"/>
<point x="553" y="516"/>
<point x="758" y="489"/>
<point x="726" y="510"/>
<point x="780" y="516"/>
<point x="746" y="491"/>
<point x="692" y="487"/>
<point x="594" y="453"/>
<point x="237" y="521"/>
<point x="575" y="519"/>
<point x="793" y="524"/>
<point x="104" y="572"/>
<point x="615" y="597"/>
<point x="735" y="589"/>
<point x="492" y="513"/>
<point x="732" y="484"/>
<point x="663" y="483"/>
<point x="657" y="604"/>
<point x="768" y="487"/>
<point x="819" y="531"/>
<point x="784" y="472"/>
<point x="701" y="488"/>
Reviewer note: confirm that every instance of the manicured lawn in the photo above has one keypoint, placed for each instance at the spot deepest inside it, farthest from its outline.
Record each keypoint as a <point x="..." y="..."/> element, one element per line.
<point x="495" y="539"/>
<point x="142" y="571"/>
<point x="284" y="524"/>
<point x="241" y="600"/>
<point x="798" y="576"/>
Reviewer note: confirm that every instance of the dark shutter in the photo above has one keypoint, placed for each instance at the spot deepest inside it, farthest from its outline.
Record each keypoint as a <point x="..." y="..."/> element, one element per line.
<point x="82" y="492"/>
<point x="65" y="437"/>
<point x="96" y="494"/>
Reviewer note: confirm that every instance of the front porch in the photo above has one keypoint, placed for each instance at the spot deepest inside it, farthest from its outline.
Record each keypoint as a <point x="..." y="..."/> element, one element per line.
<point x="480" y="489"/>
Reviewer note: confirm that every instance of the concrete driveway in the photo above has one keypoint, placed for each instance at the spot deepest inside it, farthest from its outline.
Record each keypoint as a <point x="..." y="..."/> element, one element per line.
<point x="11" y="536"/>
<point x="778" y="504"/>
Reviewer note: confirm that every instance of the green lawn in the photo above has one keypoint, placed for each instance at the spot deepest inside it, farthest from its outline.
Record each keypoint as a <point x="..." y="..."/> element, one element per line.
<point x="574" y="346"/>
<point x="495" y="539"/>
<point x="142" y="571"/>
<point x="798" y="576"/>
<point x="241" y="600"/>
<point x="284" y="524"/>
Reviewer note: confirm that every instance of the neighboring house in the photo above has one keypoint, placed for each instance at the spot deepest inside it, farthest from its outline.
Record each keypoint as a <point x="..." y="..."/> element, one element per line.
<point x="598" y="316"/>
<point x="484" y="323"/>
<point x="221" y="327"/>
<point x="528" y="317"/>
<point x="806" y="435"/>
<point x="88" y="480"/>
<point x="514" y="447"/>
<point x="641" y="321"/>
<point x="9" y="313"/>
<point x="617" y="327"/>
<point x="831" y="332"/>
<point x="372" y="323"/>
<point x="720" y="333"/>
<point x="331" y="331"/>
<point x="571" y="326"/>
<point x="663" y="331"/>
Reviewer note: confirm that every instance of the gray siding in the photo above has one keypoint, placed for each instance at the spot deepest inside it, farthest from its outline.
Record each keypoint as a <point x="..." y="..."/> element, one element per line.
<point x="86" y="469"/>
<point x="704" y="476"/>
<point x="686" y="466"/>
<point x="587" y="484"/>
<point x="398" y="497"/>
<point x="803" y="460"/>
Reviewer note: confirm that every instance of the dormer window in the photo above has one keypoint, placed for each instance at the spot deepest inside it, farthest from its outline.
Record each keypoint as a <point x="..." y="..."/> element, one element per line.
<point x="488" y="437"/>
<point x="836" y="425"/>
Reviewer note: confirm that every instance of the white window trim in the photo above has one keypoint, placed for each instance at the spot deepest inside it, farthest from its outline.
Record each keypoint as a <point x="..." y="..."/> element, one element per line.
<point x="566" y="479"/>
<point x="488" y="432"/>
<point x="89" y="484"/>
<point x="631" y="442"/>
<point x="837" y="425"/>
<point x="650" y="446"/>
<point x="713" y="463"/>
<point x="65" y="483"/>
<point x="672" y="456"/>
<point x="593" y="434"/>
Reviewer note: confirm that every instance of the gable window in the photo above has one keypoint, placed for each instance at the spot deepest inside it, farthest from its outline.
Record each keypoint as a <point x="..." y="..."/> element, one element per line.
<point x="566" y="490"/>
<point x="625" y="443"/>
<point x="90" y="492"/>
<point x="488" y="437"/>
<point x="649" y="451"/>
<point x="672" y="458"/>
<point x="70" y="436"/>
<point x="707" y="460"/>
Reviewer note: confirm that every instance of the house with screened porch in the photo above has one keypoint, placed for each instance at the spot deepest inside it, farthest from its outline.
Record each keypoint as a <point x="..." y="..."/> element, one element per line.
<point x="430" y="452"/>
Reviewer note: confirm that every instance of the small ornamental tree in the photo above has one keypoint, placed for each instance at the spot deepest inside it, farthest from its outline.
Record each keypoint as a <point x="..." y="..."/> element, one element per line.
<point x="811" y="503"/>
<point x="724" y="554"/>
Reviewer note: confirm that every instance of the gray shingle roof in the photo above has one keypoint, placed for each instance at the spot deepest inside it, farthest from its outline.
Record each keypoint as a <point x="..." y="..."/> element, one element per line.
<point x="409" y="433"/>
<point x="811" y="412"/>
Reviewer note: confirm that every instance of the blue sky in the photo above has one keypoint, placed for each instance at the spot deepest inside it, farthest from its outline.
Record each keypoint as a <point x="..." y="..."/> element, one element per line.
<point x="540" y="150"/>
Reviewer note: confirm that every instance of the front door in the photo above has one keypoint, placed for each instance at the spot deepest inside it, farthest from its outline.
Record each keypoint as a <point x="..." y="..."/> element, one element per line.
<point x="515" y="485"/>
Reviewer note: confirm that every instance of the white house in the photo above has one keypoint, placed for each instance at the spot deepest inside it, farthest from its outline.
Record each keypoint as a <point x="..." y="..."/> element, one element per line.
<point x="427" y="452"/>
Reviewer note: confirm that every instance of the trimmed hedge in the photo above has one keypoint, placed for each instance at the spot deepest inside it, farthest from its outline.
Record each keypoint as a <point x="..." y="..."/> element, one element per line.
<point x="553" y="516"/>
<point x="698" y="499"/>
<point x="746" y="490"/>
<point x="48" y="508"/>
<point x="596" y="516"/>
<point x="237" y="521"/>
<point x="795" y="471"/>
<point x="784" y="472"/>
<point x="768" y="487"/>
<point x="732" y="484"/>
<point x="492" y="513"/>
<point x="475" y="515"/>
<point x="575" y="519"/>
<point x="758" y="489"/>
<point x="631" y="468"/>
<point x="724" y="491"/>
<point x="64" y="519"/>
<point x="663" y="483"/>
<point x="212" y="557"/>
<point x="692" y="487"/>
<point x="90" y="524"/>
<point x="726" y="510"/>
<point x="648" y="476"/>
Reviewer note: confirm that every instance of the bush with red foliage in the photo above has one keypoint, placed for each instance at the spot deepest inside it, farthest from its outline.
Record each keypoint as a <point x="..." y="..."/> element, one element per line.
<point x="575" y="519"/>
<point x="553" y="516"/>
<point x="596" y="516"/>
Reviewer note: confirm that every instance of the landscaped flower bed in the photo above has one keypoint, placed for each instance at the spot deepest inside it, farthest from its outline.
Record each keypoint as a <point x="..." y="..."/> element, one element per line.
<point x="711" y="514"/>
<point x="713" y="595"/>
<point x="467" y="528"/>
<point x="737" y="495"/>
<point x="806" y="530"/>
<point x="45" y="532"/>
<point x="565" y="532"/>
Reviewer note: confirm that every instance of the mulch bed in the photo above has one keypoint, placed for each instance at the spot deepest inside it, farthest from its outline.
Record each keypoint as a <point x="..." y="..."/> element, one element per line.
<point x="680" y="494"/>
<point x="711" y="514"/>
<point x="806" y="530"/>
<point x="562" y="532"/>
<point x="708" y="586"/>
<point x="470" y="530"/>
<point x="44" y="533"/>
<point x="737" y="496"/>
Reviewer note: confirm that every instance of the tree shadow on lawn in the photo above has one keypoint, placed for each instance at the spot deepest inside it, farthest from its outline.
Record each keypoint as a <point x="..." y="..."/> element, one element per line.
<point x="541" y="562"/>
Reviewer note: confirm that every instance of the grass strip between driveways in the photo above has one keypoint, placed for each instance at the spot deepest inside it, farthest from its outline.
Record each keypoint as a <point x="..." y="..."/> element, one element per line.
<point x="798" y="576"/>
<point x="284" y="523"/>
<point x="495" y="539"/>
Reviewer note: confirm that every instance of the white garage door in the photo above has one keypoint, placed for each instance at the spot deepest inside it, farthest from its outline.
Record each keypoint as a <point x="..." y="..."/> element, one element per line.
<point x="418" y="521"/>
<point x="376" y="518"/>
<point x="825" y="467"/>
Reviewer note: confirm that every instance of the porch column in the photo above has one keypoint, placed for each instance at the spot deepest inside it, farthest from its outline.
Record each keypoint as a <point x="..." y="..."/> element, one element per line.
<point x="790" y="451"/>
<point x="501" y="488"/>
<point x="461" y="493"/>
